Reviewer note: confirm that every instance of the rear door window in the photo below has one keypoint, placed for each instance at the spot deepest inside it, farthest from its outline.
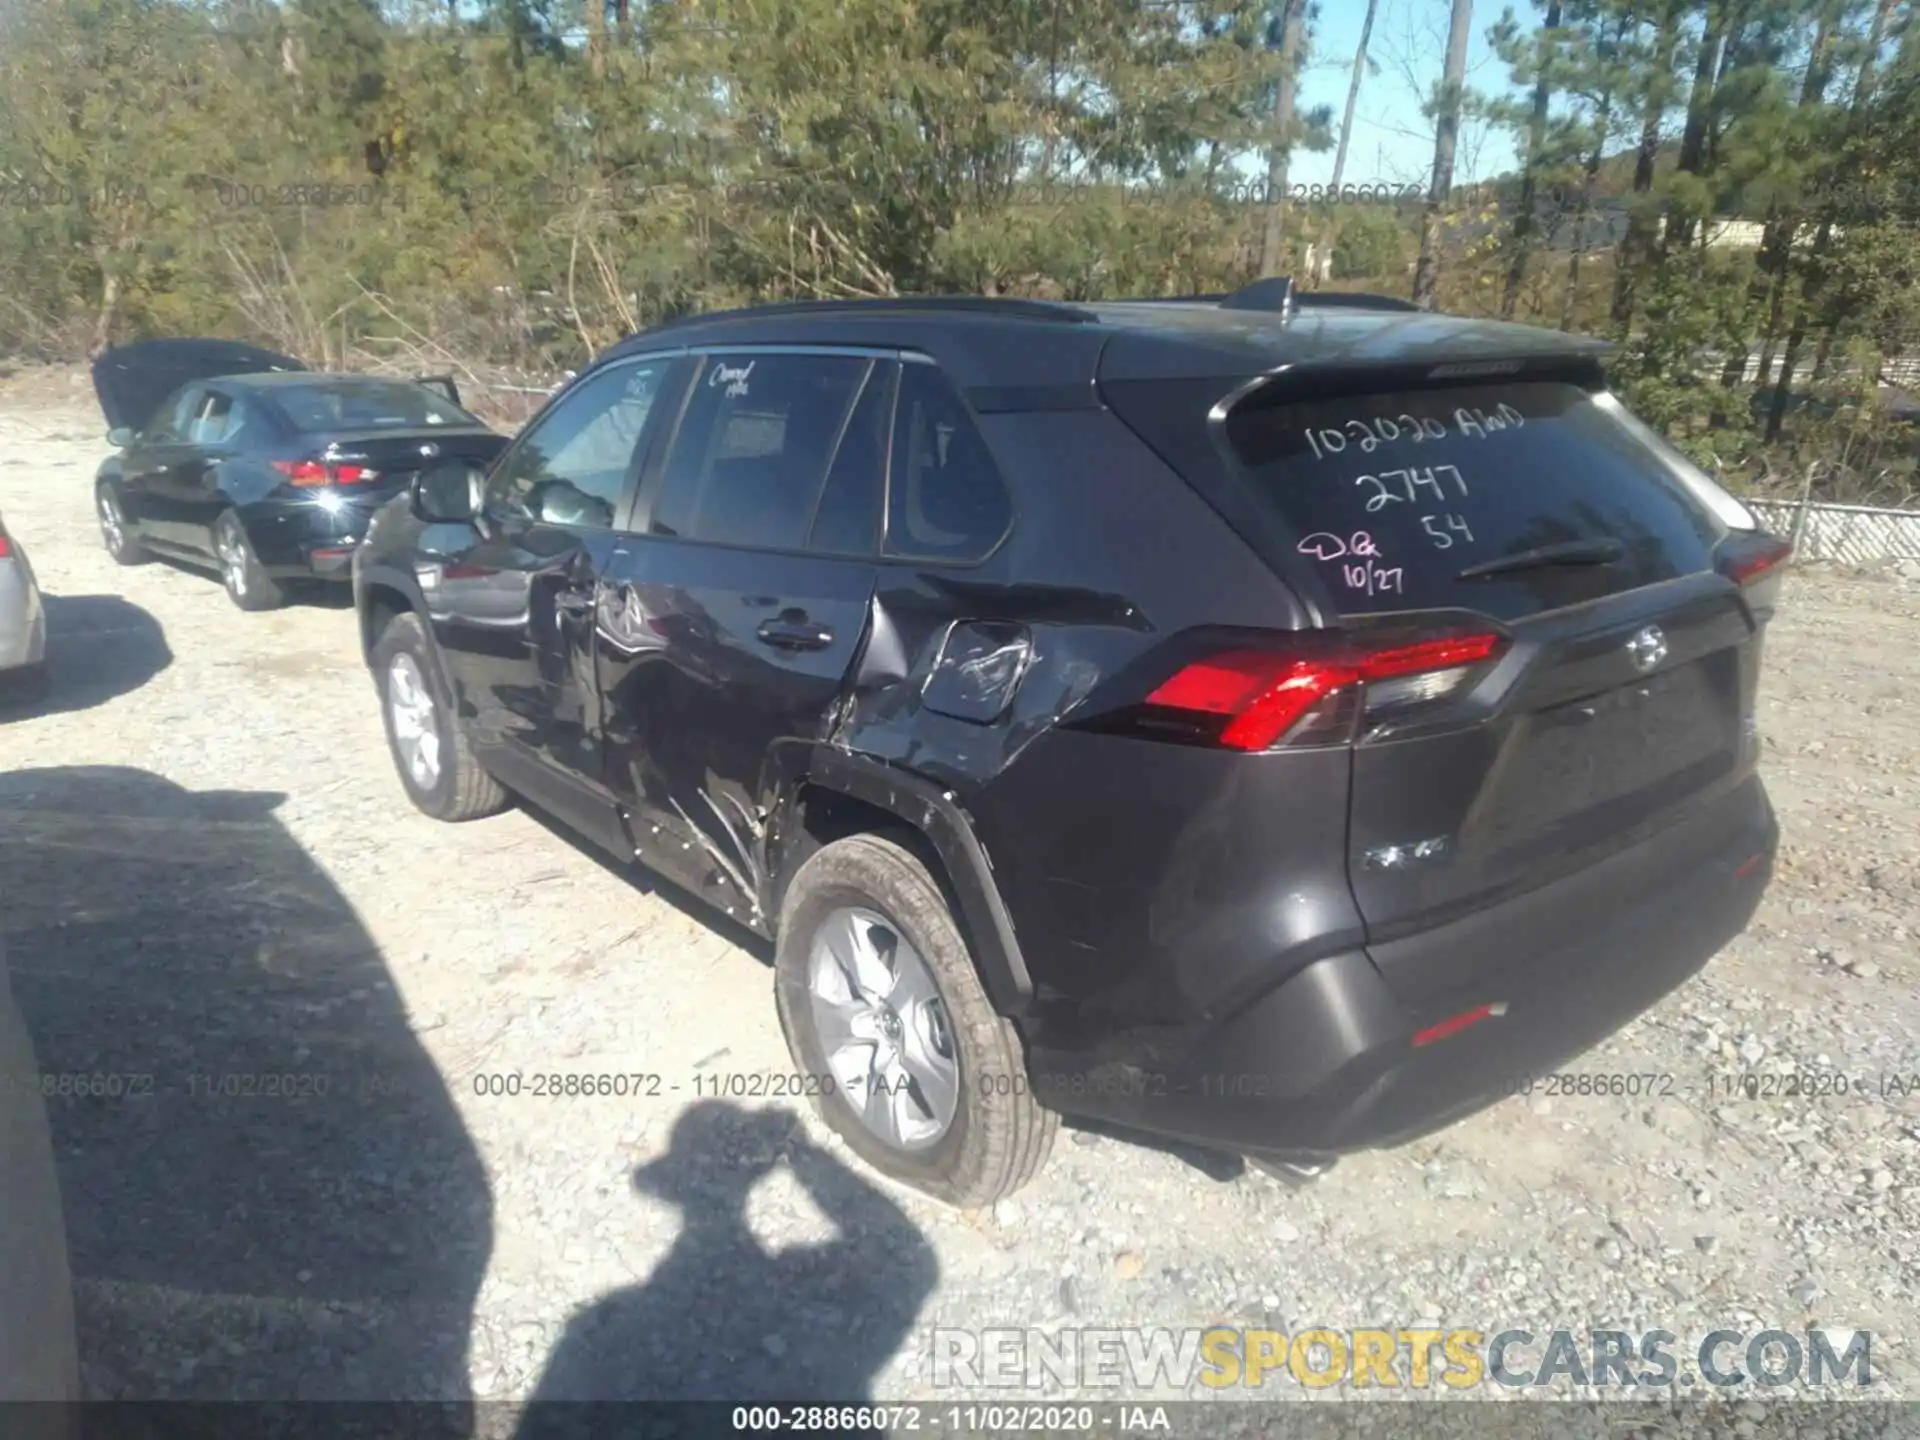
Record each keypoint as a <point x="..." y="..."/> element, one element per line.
<point x="751" y="454"/>
<point x="846" y="521"/>
<point x="1394" y="496"/>
<point x="215" y="421"/>
<point x="175" y="421"/>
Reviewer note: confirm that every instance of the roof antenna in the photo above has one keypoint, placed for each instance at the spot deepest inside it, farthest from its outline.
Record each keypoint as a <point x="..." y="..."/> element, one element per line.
<point x="1273" y="295"/>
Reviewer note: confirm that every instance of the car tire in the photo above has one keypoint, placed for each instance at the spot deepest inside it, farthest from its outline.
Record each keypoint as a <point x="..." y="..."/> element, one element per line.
<point x="415" y="707"/>
<point x="246" y="581"/>
<point x="997" y="1136"/>
<point x="120" y="545"/>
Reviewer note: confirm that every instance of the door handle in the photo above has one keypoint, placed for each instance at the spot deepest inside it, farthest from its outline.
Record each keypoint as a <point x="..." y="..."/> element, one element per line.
<point x="795" y="632"/>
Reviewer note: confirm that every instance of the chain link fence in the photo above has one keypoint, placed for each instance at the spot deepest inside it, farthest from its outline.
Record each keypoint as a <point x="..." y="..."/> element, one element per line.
<point x="1850" y="534"/>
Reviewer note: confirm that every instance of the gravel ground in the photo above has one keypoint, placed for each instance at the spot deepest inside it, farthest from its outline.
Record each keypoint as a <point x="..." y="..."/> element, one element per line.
<point x="209" y="872"/>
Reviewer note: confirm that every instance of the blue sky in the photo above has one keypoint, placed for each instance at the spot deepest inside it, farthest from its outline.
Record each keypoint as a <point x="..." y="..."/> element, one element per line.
<point x="1392" y="141"/>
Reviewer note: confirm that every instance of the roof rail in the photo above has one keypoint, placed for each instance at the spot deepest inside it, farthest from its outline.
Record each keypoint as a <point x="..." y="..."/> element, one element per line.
<point x="947" y="304"/>
<point x="1268" y="295"/>
<point x="1353" y="300"/>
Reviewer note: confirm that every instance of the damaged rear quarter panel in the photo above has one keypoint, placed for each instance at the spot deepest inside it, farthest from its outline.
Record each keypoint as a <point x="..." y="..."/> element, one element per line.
<point x="1110" y="553"/>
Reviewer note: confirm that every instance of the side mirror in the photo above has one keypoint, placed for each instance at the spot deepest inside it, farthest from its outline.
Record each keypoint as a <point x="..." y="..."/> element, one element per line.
<point x="121" y="436"/>
<point x="449" y="493"/>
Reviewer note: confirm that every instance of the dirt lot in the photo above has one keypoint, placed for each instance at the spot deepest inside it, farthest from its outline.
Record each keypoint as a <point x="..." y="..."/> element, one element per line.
<point x="209" y="871"/>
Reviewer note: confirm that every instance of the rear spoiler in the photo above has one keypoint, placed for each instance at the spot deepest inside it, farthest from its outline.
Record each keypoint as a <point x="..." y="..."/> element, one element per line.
<point x="443" y="383"/>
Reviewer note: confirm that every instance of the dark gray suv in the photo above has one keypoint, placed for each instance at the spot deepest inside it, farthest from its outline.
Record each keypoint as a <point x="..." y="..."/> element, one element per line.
<point x="1282" y="723"/>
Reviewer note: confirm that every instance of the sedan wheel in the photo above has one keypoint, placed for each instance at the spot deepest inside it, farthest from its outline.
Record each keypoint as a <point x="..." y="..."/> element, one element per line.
<point x="233" y="560"/>
<point x="121" y="546"/>
<point x="247" y="583"/>
<point x="416" y="730"/>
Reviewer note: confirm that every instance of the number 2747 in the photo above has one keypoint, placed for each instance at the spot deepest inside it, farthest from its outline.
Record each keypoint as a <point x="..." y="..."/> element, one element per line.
<point x="1392" y="487"/>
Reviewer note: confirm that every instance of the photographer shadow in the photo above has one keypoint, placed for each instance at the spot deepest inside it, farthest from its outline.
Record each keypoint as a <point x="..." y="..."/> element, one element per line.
<point x="721" y="1319"/>
<point x="268" y="1193"/>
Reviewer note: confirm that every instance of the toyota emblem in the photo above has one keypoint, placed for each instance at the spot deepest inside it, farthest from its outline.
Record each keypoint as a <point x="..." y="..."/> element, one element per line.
<point x="1648" y="647"/>
<point x="429" y="450"/>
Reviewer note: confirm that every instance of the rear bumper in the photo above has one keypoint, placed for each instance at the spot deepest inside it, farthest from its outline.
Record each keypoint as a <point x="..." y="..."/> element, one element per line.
<point x="1325" y="1063"/>
<point x="23" y="622"/>
<point x="302" y="540"/>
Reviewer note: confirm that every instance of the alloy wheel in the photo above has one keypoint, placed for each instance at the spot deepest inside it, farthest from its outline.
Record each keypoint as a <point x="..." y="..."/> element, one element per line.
<point x="112" y="528"/>
<point x="884" y="1028"/>
<point x="416" y="734"/>
<point x="233" y="558"/>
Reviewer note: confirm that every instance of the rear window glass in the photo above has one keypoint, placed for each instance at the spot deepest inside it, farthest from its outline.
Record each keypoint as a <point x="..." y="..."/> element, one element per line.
<point x="1392" y="496"/>
<point x="367" y="405"/>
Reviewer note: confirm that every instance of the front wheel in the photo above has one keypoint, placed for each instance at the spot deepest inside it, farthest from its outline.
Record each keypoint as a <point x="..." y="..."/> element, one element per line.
<point x="882" y="1005"/>
<point x="429" y="749"/>
<point x="247" y="583"/>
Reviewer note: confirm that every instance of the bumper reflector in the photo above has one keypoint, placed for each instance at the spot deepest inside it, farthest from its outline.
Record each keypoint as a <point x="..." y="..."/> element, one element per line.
<point x="1458" y="1023"/>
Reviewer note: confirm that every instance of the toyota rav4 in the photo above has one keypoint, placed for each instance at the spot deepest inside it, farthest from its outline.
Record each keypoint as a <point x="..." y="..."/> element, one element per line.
<point x="1275" y="722"/>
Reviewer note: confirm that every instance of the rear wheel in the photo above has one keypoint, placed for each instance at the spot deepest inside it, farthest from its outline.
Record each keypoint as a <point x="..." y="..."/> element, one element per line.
<point x="430" y="751"/>
<point x="247" y="583"/>
<point x="885" y="1014"/>
<point x="114" y="535"/>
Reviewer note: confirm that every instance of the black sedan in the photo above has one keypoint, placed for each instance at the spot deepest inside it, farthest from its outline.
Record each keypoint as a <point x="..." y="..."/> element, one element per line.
<point x="247" y="460"/>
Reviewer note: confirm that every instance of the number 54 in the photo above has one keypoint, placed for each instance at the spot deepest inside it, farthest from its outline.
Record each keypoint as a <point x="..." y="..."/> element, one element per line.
<point x="1441" y="539"/>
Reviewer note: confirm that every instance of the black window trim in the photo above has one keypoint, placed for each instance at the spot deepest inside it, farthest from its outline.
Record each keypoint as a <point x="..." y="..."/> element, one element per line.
<point x="629" y="487"/>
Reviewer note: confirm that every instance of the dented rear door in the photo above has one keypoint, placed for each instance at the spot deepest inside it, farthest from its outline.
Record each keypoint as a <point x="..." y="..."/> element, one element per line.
<point x="731" y="619"/>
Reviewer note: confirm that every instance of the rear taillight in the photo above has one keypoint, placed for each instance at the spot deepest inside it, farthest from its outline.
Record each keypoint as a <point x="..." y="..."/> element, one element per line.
<point x="6" y="545"/>
<point x="1750" y="557"/>
<point x="1258" y="699"/>
<point x="321" y="472"/>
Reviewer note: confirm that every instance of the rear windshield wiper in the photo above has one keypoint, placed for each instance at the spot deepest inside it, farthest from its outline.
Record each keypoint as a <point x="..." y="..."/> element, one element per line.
<point x="1568" y="552"/>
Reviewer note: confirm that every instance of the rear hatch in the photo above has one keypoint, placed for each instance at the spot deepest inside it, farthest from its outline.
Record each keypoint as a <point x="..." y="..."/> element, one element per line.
<point x="1547" y="649"/>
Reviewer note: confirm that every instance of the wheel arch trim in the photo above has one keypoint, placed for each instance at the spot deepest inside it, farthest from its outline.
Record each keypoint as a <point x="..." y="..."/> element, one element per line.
<point x="370" y="578"/>
<point x="934" y="814"/>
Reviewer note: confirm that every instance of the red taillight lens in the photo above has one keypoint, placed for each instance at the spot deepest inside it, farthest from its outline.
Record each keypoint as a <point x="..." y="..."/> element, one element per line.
<point x="1755" y="559"/>
<point x="317" y="472"/>
<point x="6" y="545"/>
<point x="1265" y="694"/>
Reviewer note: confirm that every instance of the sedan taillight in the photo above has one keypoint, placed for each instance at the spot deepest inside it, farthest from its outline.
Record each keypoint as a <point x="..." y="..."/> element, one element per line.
<point x="320" y="472"/>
